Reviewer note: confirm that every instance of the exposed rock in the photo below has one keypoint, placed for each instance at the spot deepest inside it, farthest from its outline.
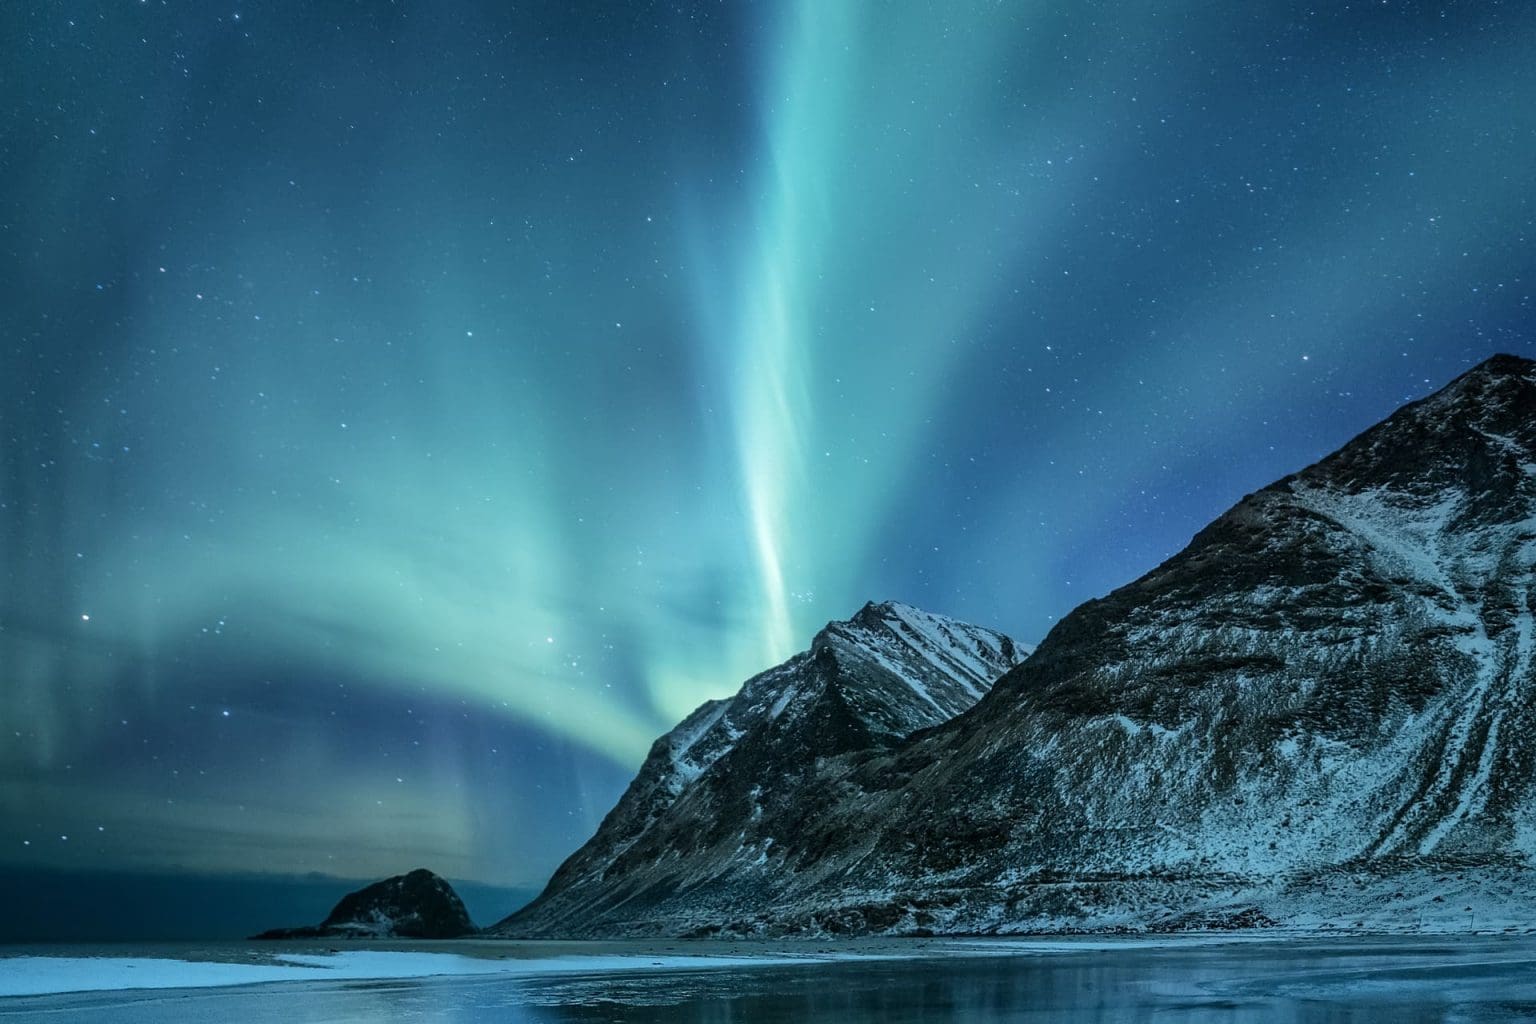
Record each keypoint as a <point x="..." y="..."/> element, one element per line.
<point x="418" y="905"/>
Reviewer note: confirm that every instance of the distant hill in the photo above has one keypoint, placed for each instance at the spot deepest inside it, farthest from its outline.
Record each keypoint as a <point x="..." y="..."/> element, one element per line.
<point x="44" y="906"/>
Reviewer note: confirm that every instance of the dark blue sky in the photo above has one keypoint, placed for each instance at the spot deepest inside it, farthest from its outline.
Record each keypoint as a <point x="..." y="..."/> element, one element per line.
<point x="409" y="410"/>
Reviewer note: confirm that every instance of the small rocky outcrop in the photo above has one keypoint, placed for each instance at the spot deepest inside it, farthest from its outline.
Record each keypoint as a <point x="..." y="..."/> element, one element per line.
<point x="418" y="905"/>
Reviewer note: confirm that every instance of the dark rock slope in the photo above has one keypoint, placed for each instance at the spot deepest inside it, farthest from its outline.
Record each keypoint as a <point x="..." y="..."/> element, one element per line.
<point x="418" y="905"/>
<point x="1319" y="713"/>
<point x="717" y="794"/>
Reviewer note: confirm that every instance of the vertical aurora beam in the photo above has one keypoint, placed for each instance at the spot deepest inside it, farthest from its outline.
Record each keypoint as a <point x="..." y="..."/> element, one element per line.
<point x="852" y="290"/>
<point x="775" y="414"/>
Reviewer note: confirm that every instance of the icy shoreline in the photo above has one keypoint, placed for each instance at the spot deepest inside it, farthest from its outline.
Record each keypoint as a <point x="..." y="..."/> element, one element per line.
<point x="57" y="975"/>
<point x="66" y="970"/>
<point x="32" y="973"/>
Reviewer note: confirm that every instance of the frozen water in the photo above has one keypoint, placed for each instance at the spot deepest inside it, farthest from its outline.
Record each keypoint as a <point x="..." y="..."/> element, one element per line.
<point x="54" y="974"/>
<point x="1397" y="980"/>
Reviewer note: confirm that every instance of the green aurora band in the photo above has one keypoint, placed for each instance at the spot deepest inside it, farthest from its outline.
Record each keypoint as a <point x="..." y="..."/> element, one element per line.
<point x="568" y="397"/>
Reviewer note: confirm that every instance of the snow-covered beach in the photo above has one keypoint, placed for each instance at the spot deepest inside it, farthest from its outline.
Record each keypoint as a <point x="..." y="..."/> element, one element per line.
<point x="45" y="971"/>
<point x="32" y="971"/>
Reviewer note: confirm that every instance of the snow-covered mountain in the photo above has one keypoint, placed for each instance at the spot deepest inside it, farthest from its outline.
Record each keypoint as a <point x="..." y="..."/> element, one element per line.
<point x="738" y="776"/>
<point x="1335" y="674"/>
<point x="1320" y="712"/>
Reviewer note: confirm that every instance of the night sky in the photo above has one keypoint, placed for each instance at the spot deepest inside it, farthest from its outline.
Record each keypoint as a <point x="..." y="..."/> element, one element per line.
<point x="409" y="410"/>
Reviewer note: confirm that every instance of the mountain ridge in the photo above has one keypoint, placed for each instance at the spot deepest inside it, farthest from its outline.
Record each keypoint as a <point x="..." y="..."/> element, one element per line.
<point x="1334" y="676"/>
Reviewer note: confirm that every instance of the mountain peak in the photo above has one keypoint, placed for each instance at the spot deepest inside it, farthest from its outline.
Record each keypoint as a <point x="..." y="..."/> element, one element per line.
<point x="1475" y="435"/>
<point x="945" y="664"/>
<point x="1494" y="382"/>
<point x="739" y="775"/>
<point x="1503" y="364"/>
<point x="886" y="607"/>
<point x="879" y="614"/>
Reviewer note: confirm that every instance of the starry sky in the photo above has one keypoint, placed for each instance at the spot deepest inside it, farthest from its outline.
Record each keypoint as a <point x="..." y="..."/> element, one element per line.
<point x="408" y="410"/>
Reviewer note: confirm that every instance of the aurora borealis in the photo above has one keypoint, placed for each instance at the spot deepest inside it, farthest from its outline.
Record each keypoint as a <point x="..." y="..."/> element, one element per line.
<point x="410" y="410"/>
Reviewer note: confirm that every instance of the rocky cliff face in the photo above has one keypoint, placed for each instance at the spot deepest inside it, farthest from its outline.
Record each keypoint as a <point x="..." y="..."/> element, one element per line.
<point x="1332" y="682"/>
<point x="418" y="905"/>
<point x="740" y="776"/>
<point x="1335" y="672"/>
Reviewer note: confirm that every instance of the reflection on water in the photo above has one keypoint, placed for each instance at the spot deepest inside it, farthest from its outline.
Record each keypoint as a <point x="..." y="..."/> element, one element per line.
<point x="1396" y="981"/>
